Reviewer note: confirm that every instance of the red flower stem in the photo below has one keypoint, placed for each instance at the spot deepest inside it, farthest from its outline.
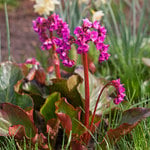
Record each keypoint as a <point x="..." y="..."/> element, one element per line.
<point x="87" y="93"/>
<point x="55" y="59"/>
<point x="93" y="116"/>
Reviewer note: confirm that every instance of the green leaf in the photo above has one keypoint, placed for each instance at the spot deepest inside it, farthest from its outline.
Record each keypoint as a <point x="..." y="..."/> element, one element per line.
<point x="68" y="89"/>
<point x="48" y="109"/>
<point x="130" y="120"/>
<point x="11" y="115"/>
<point x="95" y="85"/>
<point x="10" y="73"/>
<point x="38" y="92"/>
<point x="67" y="114"/>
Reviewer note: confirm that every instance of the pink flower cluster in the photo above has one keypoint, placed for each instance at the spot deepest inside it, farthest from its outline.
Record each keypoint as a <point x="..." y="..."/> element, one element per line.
<point x="120" y="91"/>
<point x="51" y="24"/>
<point x="92" y="32"/>
<point x="87" y="32"/>
<point x="63" y="48"/>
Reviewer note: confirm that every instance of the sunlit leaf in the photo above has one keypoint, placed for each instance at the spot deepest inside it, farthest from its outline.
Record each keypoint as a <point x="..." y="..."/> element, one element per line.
<point x="95" y="85"/>
<point x="10" y="73"/>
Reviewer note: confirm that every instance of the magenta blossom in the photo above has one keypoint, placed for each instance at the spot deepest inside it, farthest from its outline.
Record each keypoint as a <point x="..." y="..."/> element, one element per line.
<point x="91" y="32"/>
<point x="84" y="34"/>
<point x="120" y="91"/>
<point x="32" y="61"/>
<point x="52" y="23"/>
<point x="63" y="43"/>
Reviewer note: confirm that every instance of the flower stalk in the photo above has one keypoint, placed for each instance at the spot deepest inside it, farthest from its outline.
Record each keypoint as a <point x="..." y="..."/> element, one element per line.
<point x="87" y="93"/>
<point x="55" y="59"/>
<point x="120" y="96"/>
<point x="97" y="101"/>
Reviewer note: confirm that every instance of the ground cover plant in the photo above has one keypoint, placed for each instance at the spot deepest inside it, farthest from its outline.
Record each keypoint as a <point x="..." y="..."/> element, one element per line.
<point x="51" y="108"/>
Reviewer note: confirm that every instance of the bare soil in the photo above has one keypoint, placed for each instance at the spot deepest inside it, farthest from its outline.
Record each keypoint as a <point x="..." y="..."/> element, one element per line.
<point x="23" y="39"/>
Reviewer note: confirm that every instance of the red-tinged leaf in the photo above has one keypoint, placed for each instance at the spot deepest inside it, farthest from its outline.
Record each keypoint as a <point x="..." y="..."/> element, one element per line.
<point x="11" y="115"/>
<point x="130" y="118"/>
<point x="17" y="87"/>
<point x="40" y="76"/>
<point x="134" y="115"/>
<point x="30" y="113"/>
<point x="65" y="121"/>
<point x="24" y="68"/>
<point x="18" y="131"/>
<point x="62" y="106"/>
<point x="30" y="76"/>
<point x="113" y="135"/>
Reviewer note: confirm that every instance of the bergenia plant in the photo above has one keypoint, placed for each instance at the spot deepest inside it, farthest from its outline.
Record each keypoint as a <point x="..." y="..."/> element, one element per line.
<point x="88" y="32"/>
<point x="64" y="100"/>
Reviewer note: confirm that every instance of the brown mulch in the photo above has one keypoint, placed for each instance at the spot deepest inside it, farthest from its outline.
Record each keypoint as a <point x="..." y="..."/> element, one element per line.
<point x="23" y="39"/>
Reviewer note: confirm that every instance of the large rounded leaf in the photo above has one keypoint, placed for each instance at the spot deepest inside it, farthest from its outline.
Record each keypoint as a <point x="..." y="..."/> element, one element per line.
<point x="95" y="85"/>
<point x="11" y="115"/>
<point x="10" y="73"/>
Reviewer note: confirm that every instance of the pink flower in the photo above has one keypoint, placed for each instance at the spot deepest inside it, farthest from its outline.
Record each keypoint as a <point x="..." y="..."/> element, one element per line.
<point x="32" y="61"/>
<point x="83" y="48"/>
<point x="94" y="35"/>
<point x="87" y="23"/>
<point x="120" y="91"/>
<point x="47" y="44"/>
<point x="103" y="56"/>
<point x="96" y="24"/>
<point x="53" y="23"/>
<point x="78" y="31"/>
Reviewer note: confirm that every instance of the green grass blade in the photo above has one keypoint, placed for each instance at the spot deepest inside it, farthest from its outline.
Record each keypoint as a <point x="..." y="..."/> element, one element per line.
<point x="69" y="140"/>
<point x="7" y="28"/>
